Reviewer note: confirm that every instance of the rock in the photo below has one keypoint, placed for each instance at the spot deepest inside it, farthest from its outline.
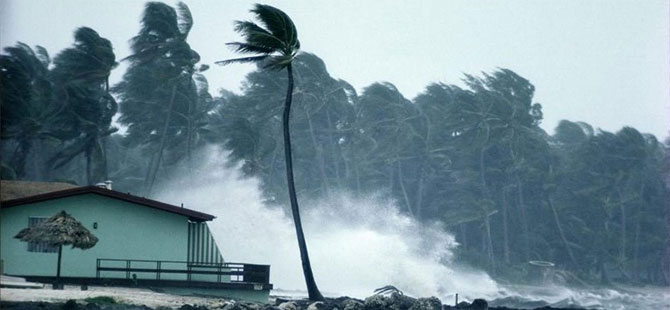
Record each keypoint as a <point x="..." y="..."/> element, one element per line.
<point x="479" y="304"/>
<point x="192" y="307"/>
<point x="430" y="303"/>
<point x="289" y="305"/>
<point x="377" y="302"/>
<point x="251" y="307"/>
<point x="70" y="305"/>
<point x="351" y="304"/>
<point x="229" y="305"/>
<point x="319" y="305"/>
<point x="92" y="306"/>
<point x="394" y="302"/>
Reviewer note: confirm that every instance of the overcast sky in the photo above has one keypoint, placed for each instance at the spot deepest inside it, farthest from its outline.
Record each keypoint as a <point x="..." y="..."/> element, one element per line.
<point x="604" y="62"/>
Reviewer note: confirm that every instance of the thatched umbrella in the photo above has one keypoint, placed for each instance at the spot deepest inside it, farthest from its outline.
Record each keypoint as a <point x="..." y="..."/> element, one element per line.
<point x="61" y="229"/>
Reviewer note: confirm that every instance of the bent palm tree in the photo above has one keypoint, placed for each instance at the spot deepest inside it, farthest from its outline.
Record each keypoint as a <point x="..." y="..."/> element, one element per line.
<point x="277" y="45"/>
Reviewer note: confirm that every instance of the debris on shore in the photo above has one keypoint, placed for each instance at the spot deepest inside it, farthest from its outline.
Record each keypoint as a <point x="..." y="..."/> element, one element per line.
<point x="394" y="301"/>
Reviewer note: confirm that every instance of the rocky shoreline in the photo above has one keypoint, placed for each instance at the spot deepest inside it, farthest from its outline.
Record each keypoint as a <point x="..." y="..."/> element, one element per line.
<point x="393" y="301"/>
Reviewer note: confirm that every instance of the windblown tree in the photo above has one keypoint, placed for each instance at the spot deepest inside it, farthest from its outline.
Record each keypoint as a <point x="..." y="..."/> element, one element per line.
<point x="322" y="124"/>
<point x="158" y="97"/>
<point x="25" y="100"/>
<point x="276" y="44"/>
<point x="382" y="132"/>
<point x="80" y="78"/>
<point x="248" y="126"/>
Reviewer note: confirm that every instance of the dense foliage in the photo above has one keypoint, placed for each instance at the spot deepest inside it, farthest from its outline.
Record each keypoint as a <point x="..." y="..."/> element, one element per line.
<point x="473" y="157"/>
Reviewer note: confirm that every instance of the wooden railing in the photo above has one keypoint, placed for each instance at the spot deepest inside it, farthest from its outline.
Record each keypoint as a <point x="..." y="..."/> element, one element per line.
<point x="180" y="270"/>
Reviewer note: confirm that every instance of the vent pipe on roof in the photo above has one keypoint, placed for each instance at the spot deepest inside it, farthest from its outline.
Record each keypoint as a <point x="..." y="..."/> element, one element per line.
<point x="106" y="185"/>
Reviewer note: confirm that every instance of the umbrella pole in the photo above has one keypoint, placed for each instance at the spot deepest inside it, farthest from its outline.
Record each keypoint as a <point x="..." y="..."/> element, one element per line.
<point x="60" y="252"/>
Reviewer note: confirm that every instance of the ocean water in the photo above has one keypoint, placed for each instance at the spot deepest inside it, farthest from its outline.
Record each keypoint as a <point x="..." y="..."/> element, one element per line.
<point x="358" y="244"/>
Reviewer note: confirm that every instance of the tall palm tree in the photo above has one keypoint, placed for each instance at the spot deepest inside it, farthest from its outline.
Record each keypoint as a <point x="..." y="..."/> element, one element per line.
<point x="80" y="78"/>
<point x="25" y="102"/>
<point x="158" y="94"/>
<point x="276" y="44"/>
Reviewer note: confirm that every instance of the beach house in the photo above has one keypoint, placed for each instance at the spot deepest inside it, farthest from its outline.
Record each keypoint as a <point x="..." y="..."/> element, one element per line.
<point x="142" y="242"/>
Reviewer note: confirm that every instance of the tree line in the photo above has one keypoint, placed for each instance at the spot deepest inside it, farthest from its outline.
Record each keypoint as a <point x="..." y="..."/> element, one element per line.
<point x="595" y="203"/>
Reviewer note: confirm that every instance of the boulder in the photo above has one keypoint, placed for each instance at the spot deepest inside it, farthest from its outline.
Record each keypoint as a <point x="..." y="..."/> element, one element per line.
<point x="395" y="301"/>
<point x="319" y="305"/>
<point x="430" y="303"/>
<point x="289" y="305"/>
<point x="351" y="304"/>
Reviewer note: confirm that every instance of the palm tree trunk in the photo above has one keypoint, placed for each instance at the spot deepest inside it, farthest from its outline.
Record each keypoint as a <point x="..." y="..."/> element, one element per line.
<point x="404" y="191"/>
<point x="561" y="233"/>
<point x="622" y="206"/>
<point x="19" y="157"/>
<point x="318" y="154"/>
<point x="419" y="194"/>
<point x="156" y="162"/>
<point x="105" y="168"/>
<point x="338" y="151"/>
<point x="505" y="227"/>
<point x="489" y="242"/>
<point x="89" y="174"/>
<point x="312" y="289"/>
<point x="522" y="213"/>
<point x="487" y="236"/>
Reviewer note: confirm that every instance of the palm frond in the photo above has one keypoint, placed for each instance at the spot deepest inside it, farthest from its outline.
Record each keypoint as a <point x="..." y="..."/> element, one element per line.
<point x="185" y="19"/>
<point x="42" y="54"/>
<point x="278" y="62"/>
<point x="249" y="48"/>
<point x="241" y="60"/>
<point x="278" y="23"/>
<point x="256" y="35"/>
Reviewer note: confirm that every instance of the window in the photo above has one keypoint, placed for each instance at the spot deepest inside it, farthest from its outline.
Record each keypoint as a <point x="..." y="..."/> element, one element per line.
<point x="39" y="247"/>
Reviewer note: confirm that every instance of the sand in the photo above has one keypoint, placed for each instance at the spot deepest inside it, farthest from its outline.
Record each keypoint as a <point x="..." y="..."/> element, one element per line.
<point x="137" y="296"/>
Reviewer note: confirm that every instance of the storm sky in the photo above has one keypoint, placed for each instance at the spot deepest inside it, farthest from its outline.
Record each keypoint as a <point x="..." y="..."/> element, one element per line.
<point x="604" y="62"/>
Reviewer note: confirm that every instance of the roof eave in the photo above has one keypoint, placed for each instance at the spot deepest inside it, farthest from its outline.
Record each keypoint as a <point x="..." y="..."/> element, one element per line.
<point x="191" y="214"/>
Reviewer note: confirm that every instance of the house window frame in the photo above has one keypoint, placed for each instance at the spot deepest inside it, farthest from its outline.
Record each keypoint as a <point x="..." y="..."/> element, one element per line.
<point x="36" y="247"/>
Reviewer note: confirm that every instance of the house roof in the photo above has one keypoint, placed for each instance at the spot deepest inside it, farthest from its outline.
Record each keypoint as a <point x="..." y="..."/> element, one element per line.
<point x="10" y="190"/>
<point x="191" y="214"/>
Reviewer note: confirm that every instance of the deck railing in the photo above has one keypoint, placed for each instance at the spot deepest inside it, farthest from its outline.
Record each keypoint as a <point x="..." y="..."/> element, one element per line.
<point x="180" y="270"/>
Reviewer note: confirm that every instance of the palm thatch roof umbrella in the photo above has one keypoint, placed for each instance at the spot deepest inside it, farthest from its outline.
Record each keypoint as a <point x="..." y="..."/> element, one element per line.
<point x="61" y="229"/>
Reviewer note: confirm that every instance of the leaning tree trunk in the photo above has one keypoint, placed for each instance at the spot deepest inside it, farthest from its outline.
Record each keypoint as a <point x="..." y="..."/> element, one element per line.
<point x="312" y="289"/>
<point x="505" y="227"/>
<point x="561" y="233"/>
<point x="485" y="191"/>
<point x="19" y="157"/>
<point x="156" y="160"/>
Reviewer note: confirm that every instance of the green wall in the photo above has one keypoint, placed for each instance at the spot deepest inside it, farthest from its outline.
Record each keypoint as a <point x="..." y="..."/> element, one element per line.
<point x="125" y="231"/>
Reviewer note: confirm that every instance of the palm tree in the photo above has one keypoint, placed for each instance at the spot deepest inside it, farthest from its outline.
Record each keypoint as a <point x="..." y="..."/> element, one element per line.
<point x="80" y="78"/>
<point x="277" y="45"/>
<point x="158" y="96"/>
<point x="25" y="102"/>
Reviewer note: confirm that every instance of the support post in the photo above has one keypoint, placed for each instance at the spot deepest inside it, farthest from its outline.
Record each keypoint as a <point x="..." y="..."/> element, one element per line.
<point x="60" y="254"/>
<point x="58" y="285"/>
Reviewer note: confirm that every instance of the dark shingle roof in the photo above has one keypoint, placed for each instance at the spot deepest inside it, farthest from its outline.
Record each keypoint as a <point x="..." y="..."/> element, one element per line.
<point x="191" y="214"/>
<point x="10" y="190"/>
